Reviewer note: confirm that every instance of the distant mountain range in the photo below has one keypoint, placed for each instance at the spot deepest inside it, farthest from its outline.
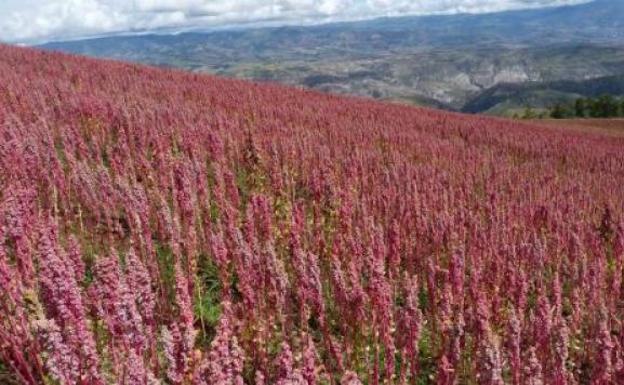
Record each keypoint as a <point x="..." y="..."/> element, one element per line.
<point x="487" y="63"/>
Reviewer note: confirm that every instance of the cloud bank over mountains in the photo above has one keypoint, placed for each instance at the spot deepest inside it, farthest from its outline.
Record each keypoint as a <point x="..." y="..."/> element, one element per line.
<point x="29" y="21"/>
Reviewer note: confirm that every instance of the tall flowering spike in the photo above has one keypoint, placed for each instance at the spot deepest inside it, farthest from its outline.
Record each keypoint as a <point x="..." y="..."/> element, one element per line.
<point x="543" y="326"/>
<point x="215" y="146"/>
<point x="277" y="279"/>
<point x="135" y="372"/>
<point x="220" y="255"/>
<point x="75" y="258"/>
<point x="116" y="304"/>
<point x="456" y="274"/>
<point x="249" y="228"/>
<point x="262" y="207"/>
<point x="165" y="220"/>
<point x="446" y="372"/>
<point x="19" y="221"/>
<point x="445" y="306"/>
<point x="297" y="226"/>
<point x="514" y="346"/>
<point x="62" y="299"/>
<point x="618" y="253"/>
<point x="184" y="192"/>
<point x="431" y="286"/>
<point x="410" y="327"/>
<point x="183" y="331"/>
<point x="183" y="297"/>
<point x="243" y="266"/>
<point x="309" y="285"/>
<point x="7" y="274"/>
<point x="557" y="295"/>
<point x="561" y="353"/>
<point x="186" y="203"/>
<point x="457" y="338"/>
<point x="224" y="362"/>
<point x="603" y="365"/>
<point x="492" y="361"/>
<point x="230" y="188"/>
<point x="521" y="291"/>
<point x="170" y="339"/>
<point x="295" y="379"/>
<point x="61" y="362"/>
<point x="619" y="360"/>
<point x="140" y="285"/>
<point x="482" y="317"/>
<point x="394" y="250"/>
<point x="306" y="266"/>
<point x="260" y="378"/>
<point x="142" y="208"/>
<point x="284" y="362"/>
<point x="310" y="357"/>
<point x="533" y="369"/>
<point x="381" y="298"/>
<point x="350" y="378"/>
<point x="618" y="250"/>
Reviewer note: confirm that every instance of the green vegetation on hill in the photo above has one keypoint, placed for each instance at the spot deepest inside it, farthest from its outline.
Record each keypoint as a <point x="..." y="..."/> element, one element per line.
<point x="605" y="106"/>
<point x="512" y="99"/>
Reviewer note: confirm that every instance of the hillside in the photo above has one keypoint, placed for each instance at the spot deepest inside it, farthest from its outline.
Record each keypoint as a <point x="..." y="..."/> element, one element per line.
<point x="157" y="225"/>
<point x="504" y="98"/>
<point x="445" y="61"/>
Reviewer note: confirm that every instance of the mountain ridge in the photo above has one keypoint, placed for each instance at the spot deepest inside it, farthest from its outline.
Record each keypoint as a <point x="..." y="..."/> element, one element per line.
<point x="441" y="60"/>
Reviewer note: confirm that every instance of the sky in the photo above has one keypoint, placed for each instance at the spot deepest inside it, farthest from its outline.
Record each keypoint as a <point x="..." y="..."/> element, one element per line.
<point x="36" y="21"/>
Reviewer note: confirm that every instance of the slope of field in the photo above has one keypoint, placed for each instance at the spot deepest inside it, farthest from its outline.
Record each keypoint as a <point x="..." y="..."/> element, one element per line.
<point x="613" y="127"/>
<point x="164" y="227"/>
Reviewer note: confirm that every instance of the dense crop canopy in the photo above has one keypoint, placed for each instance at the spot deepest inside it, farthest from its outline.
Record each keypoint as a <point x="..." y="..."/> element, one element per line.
<point x="163" y="227"/>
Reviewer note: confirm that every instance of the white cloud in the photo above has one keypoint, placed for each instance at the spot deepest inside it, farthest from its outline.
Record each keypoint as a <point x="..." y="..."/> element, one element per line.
<point x="39" y="20"/>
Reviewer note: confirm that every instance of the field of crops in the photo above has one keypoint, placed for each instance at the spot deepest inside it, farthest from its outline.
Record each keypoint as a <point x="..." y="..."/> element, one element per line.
<point x="164" y="227"/>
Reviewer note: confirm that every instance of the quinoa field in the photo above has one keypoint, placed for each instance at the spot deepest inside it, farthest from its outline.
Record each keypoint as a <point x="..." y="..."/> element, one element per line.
<point x="163" y="227"/>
